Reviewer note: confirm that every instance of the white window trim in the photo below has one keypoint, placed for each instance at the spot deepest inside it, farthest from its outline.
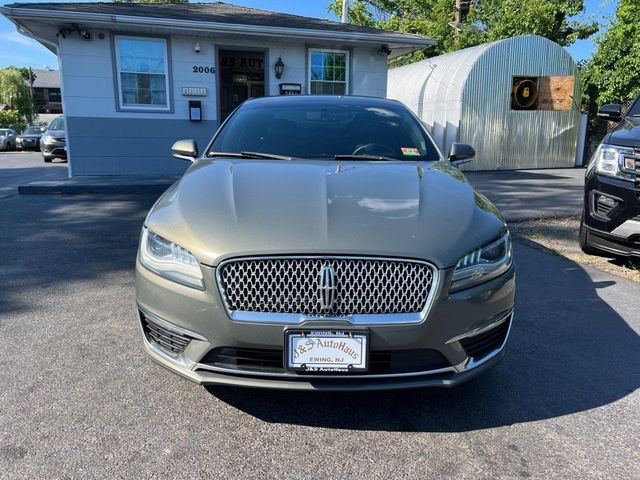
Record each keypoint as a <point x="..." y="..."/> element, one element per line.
<point x="142" y="107"/>
<point x="347" y="76"/>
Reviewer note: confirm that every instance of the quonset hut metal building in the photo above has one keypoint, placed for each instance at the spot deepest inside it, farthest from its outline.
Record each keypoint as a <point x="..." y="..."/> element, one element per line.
<point x="516" y="101"/>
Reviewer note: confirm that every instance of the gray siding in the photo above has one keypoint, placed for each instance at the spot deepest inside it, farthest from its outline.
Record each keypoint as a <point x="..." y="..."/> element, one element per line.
<point x="131" y="146"/>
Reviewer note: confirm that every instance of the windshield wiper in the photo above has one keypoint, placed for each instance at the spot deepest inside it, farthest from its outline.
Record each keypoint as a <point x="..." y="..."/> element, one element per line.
<point x="271" y="156"/>
<point x="376" y="158"/>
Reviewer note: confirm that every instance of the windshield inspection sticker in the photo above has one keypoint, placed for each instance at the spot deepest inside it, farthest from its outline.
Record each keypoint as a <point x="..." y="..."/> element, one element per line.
<point x="410" y="151"/>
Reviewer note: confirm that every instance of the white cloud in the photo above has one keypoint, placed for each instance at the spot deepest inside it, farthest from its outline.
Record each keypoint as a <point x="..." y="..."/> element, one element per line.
<point x="16" y="38"/>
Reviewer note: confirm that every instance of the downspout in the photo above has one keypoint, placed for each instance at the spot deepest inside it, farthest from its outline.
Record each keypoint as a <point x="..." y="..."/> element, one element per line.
<point x="345" y="11"/>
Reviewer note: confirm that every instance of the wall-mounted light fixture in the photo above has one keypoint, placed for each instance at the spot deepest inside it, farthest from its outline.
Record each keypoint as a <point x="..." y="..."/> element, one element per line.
<point x="83" y="32"/>
<point x="279" y="66"/>
<point x="384" y="51"/>
<point x="196" y="47"/>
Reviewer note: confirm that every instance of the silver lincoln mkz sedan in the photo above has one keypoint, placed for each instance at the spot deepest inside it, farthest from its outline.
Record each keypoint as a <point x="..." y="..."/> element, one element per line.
<point x="324" y="243"/>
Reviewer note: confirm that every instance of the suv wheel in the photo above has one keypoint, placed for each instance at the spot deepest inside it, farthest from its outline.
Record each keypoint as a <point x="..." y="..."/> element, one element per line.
<point x="585" y="244"/>
<point x="46" y="160"/>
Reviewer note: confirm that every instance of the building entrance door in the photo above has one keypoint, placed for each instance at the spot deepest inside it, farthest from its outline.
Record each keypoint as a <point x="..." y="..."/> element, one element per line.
<point x="241" y="77"/>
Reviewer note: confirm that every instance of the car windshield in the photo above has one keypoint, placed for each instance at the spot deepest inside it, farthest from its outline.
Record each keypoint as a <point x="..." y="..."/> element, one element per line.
<point x="57" y="124"/>
<point x="326" y="131"/>
<point x="32" y="131"/>
<point x="4" y="132"/>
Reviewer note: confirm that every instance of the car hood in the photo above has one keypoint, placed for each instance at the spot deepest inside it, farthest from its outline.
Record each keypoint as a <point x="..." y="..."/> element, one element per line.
<point x="55" y="133"/>
<point x="226" y="208"/>
<point x="30" y="135"/>
<point x="626" y="134"/>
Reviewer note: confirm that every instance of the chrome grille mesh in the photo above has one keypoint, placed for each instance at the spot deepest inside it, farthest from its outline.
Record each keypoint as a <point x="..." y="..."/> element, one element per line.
<point x="293" y="285"/>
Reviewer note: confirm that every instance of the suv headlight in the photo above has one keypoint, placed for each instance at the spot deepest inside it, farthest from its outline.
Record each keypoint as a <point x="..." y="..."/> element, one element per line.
<point x="483" y="264"/>
<point x="169" y="260"/>
<point x="614" y="161"/>
<point x="48" y="140"/>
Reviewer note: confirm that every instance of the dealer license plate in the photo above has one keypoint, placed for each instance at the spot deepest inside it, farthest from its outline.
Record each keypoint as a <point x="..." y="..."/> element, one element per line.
<point x="327" y="350"/>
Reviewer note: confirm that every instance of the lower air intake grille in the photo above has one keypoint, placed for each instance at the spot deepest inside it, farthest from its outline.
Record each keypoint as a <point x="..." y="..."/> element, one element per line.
<point x="480" y="345"/>
<point x="163" y="337"/>
<point x="380" y="362"/>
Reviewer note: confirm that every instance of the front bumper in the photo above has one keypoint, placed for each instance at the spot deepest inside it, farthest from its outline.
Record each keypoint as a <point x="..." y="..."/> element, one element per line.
<point x="54" y="150"/>
<point x="27" y="143"/>
<point x="615" y="230"/>
<point x="455" y="328"/>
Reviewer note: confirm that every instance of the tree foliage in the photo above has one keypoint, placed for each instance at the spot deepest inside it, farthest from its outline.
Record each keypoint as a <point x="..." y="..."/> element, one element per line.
<point x="486" y="21"/>
<point x="12" y="119"/>
<point x="611" y="75"/>
<point x="15" y="92"/>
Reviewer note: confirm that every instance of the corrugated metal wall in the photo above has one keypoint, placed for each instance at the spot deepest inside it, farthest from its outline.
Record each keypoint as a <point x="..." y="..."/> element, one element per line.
<point x="465" y="96"/>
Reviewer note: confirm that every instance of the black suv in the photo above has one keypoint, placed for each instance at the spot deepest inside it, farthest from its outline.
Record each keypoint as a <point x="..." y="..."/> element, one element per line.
<point x="611" y="219"/>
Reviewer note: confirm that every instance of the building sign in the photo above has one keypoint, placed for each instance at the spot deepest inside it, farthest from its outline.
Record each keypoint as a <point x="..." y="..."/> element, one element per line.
<point x="242" y="60"/>
<point x="290" y="88"/>
<point x="194" y="92"/>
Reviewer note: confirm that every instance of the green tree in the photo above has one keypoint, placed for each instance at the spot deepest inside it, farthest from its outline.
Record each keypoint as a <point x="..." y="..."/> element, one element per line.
<point x="611" y="75"/>
<point x="12" y="119"/>
<point x="16" y="93"/>
<point x="486" y="20"/>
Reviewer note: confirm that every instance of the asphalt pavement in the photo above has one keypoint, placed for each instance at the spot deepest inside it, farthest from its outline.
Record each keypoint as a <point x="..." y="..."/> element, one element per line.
<point x="18" y="168"/>
<point x="80" y="399"/>
<point x="527" y="194"/>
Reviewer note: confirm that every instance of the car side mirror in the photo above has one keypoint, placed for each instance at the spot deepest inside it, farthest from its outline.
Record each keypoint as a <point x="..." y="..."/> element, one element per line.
<point x="42" y="129"/>
<point x="461" y="153"/>
<point x="185" y="150"/>
<point x="611" y="112"/>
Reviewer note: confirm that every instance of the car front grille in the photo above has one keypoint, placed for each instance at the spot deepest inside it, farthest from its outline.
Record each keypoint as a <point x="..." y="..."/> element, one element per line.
<point x="315" y="286"/>
<point x="271" y="361"/>
<point x="169" y="340"/>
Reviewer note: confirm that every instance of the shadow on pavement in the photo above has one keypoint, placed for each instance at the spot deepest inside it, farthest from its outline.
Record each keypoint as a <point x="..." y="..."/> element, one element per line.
<point x="50" y="241"/>
<point x="569" y="351"/>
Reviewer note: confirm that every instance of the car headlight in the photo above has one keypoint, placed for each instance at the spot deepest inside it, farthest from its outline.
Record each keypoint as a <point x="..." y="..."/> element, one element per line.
<point x="483" y="264"/>
<point x="614" y="161"/>
<point x="169" y="260"/>
<point x="49" y="140"/>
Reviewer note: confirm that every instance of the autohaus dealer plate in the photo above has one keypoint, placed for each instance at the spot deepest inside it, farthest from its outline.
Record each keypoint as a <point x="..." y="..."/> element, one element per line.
<point x="327" y="350"/>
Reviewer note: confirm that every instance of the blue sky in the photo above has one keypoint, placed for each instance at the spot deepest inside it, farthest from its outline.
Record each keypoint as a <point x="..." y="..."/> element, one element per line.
<point x="15" y="49"/>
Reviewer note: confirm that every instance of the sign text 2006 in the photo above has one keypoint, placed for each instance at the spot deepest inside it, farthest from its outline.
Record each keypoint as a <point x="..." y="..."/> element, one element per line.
<point x="201" y="69"/>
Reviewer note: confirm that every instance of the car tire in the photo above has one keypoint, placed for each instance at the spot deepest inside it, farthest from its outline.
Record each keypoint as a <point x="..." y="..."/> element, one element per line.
<point x="47" y="160"/>
<point x="585" y="244"/>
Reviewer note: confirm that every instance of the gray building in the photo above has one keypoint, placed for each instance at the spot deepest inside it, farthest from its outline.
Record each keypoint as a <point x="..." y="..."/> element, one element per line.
<point x="516" y="101"/>
<point x="137" y="77"/>
<point x="46" y="90"/>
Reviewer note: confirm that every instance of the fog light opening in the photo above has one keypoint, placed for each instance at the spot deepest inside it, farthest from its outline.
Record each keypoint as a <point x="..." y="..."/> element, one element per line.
<point x="604" y="204"/>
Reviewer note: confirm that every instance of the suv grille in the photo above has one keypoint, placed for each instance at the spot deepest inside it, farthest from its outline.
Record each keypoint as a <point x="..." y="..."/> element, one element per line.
<point x="325" y="286"/>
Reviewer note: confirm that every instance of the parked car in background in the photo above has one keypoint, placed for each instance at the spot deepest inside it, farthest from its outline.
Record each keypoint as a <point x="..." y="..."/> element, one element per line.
<point x="53" y="143"/>
<point x="30" y="138"/>
<point x="324" y="243"/>
<point x="611" y="218"/>
<point x="7" y="139"/>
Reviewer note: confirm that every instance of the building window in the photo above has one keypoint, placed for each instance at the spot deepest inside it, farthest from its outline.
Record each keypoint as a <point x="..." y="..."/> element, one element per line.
<point x="143" y="78"/>
<point x="329" y="72"/>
